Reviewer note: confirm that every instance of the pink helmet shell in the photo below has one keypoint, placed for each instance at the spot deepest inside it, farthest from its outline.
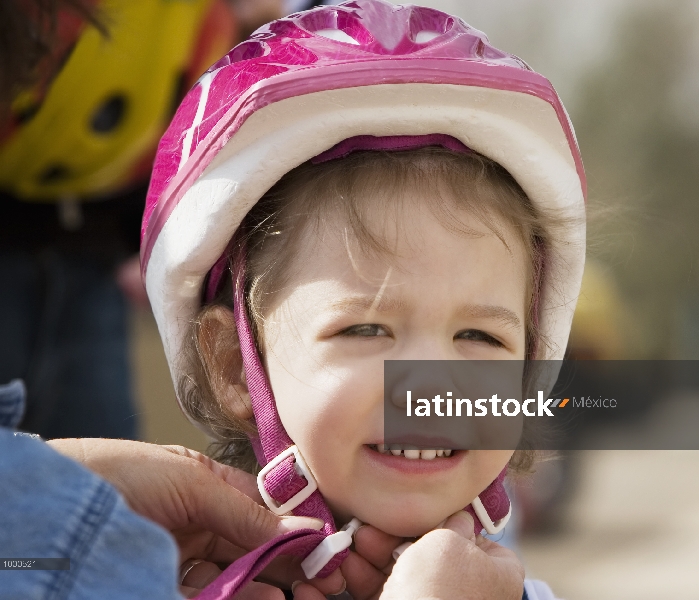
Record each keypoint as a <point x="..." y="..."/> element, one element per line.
<point x="304" y="83"/>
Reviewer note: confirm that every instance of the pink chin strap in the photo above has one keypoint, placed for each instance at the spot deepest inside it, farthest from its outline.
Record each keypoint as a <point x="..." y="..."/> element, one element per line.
<point x="285" y="482"/>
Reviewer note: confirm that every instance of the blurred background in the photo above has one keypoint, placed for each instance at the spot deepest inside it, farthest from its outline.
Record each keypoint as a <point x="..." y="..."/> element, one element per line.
<point x="610" y="524"/>
<point x="595" y="525"/>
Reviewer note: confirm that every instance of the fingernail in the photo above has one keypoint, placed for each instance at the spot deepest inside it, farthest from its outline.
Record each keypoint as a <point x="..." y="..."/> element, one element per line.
<point x="294" y="523"/>
<point x="295" y="585"/>
<point x="442" y="524"/>
<point x="356" y="533"/>
<point x="342" y="589"/>
<point x="400" y="549"/>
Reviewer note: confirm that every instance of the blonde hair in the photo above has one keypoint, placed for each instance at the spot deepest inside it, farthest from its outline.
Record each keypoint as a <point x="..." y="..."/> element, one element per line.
<point x="297" y="206"/>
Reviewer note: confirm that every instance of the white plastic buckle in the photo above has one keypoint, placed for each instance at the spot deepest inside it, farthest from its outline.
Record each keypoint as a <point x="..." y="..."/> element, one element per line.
<point x="329" y="547"/>
<point x="485" y="519"/>
<point x="301" y="468"/>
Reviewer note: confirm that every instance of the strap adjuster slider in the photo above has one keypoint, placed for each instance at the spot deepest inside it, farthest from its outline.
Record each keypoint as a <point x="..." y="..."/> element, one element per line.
<point x="301" y="468"/>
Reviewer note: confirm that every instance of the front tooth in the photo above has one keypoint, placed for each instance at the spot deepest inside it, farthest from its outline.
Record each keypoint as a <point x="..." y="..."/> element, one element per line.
<point x="428" y="454"/>
<point x="447" y="453"/>
<point x="382" y="448"/>
<point x="396" y="450"/>
<point x="440" y="452"/>
<point x="413" y="454"/>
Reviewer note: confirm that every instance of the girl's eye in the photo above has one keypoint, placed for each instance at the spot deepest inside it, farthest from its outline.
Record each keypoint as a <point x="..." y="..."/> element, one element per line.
<point x="476" y="335"/>
<point x="365" y="330"/>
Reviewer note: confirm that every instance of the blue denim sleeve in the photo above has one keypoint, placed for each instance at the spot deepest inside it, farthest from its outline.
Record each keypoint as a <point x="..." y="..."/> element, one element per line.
<point x="12" y="403"/>
<point x="51" y="507"/>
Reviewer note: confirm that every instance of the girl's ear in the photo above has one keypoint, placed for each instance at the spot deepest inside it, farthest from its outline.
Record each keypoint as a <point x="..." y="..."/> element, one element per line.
<point x="219" y="349"/>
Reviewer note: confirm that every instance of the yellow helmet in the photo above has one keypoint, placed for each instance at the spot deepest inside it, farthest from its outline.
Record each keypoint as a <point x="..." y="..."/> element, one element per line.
<point x="98" y="126"/>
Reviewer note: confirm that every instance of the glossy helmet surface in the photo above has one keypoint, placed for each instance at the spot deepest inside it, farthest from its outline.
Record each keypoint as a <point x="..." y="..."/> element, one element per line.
<point x="306" y="82"/>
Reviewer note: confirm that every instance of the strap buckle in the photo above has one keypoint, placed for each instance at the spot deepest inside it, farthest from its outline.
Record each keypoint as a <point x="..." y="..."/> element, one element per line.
<point x="485" y="519"/>
<point x="329" y="547"/>
<point x="301" y="468"/>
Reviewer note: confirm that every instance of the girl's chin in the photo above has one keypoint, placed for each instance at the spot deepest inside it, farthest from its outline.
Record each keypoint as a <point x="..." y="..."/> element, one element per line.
<point x="399" y="521"/>
<point x="405" y="528"/>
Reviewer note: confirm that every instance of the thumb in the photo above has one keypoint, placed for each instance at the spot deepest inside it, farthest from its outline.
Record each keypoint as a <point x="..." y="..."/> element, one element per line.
<point x="461" y="523"/>
<point x="225" y="511"/>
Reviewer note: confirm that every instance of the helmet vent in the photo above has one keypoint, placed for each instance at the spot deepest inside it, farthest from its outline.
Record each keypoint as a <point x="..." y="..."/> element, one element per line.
<point x="423" y="37"/>
<point x="339" y="25"/>
<point x="338" y="35"/>
<point x="244" y="51"/>
<point x="426" y="24"/>
<point x="247" y="50"/>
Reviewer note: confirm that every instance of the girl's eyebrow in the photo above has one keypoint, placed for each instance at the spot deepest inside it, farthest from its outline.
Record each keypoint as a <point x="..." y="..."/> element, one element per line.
<point x="363" y="304"/>
<point x="488" y="311"/>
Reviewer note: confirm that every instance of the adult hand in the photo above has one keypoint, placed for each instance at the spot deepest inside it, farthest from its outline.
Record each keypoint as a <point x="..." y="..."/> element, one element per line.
<point x="365" y="569"/>
<point x="370" y="562"/>
<point x="451" y="563"/>
<point x="211" y="510"/>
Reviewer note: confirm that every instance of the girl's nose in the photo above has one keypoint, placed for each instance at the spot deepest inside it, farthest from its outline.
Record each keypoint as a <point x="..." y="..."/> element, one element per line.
<point x="424" y="379"/>
<point x="431" y="383"/>
<point x="427" y="347"/>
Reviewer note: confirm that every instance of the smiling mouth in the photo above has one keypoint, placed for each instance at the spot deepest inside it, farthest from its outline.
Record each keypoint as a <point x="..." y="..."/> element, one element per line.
<point x="411" y="453"/>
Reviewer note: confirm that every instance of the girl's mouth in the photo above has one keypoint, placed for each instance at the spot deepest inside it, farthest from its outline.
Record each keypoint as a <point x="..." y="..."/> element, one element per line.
<point x="407" y="460"/>
<point x="411" y="453"/>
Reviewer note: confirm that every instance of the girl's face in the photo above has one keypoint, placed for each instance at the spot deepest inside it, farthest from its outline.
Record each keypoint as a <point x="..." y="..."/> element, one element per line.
<point x="442" y="295"/>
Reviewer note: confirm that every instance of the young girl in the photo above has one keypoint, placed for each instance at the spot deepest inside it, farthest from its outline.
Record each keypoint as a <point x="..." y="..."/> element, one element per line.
<point x="355" y="184"/>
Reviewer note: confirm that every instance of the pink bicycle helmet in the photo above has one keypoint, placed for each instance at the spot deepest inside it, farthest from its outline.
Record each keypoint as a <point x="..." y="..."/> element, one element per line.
<point x="380" y="76"/>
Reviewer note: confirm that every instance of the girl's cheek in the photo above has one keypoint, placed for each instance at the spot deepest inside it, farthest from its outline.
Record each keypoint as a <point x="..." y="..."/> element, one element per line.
<point x="492" y="462"/>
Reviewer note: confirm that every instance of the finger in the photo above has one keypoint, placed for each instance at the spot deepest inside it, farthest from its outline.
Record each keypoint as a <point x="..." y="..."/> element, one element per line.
<point x="284" y="570"/>
<point x="331" y="585"/>
<point x="461" y="523"/>
<point x="287" y="571"/>
<point x="189" y="592"/>
<point x="259" y="591"/>
<point x="304" y="591"/>
<point x="240" y="480"/>
<point x="220" y="508"/>
<point x="203" y="573"/>
<point x="214" y="548"/>
<point x="363" y="579"/>
<point x="219" y="550"/>
<point x="503" y="558"/>
<point x="375" y="546"/>
<point x="200" y="575"/>
<point x="492" y="548"/>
